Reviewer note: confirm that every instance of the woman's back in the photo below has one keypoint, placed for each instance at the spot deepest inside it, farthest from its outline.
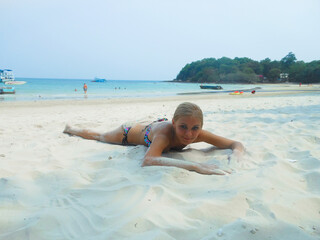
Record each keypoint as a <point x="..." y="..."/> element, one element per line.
<point x="143" y="133"/>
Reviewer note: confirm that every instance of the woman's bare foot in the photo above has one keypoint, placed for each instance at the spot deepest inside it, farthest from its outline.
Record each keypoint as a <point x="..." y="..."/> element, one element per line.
<point x="67" y="130"/>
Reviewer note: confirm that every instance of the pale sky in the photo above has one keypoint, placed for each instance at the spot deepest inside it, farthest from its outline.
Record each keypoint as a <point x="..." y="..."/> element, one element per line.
<point x="149" y="39"/>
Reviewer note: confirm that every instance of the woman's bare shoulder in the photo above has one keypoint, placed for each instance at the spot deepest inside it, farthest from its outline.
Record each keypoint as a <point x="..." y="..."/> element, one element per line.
<point x="165" y="129"/>
<point x="204" y="135"/>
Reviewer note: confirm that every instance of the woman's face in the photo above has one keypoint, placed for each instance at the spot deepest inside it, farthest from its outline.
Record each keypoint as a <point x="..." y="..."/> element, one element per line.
<point x="187" y="129"/>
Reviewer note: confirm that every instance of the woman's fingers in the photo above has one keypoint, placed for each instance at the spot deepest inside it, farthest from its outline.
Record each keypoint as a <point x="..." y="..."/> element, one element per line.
<point x="213" y="169"/>
<point x="238" y="156"/>
<point x="212" y="166"/>
<point x="227" y="171"/>
<point x="218" y="172"/>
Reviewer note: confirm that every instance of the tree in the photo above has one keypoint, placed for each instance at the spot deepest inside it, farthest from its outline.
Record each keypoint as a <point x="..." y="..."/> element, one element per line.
<point x="266" y="66"/>
<point x="287" y="61"/>
<point x="312" y="72"/>
<point x="255" y="66"/>
<point x="242" y="61"/>
<point x="239" y="77"/>
<point x="297" y="72"/>
<point x="246" y="70"/>
<point x="274" y="74"/>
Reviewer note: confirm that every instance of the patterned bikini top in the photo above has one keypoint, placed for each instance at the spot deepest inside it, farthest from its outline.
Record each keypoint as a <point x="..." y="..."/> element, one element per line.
<point x="146" y="139"/>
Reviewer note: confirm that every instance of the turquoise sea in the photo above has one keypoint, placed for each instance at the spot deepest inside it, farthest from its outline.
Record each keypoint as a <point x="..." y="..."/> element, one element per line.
<point x="53" y="89"/>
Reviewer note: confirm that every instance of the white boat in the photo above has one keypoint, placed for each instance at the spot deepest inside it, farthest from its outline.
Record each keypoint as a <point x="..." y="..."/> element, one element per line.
<point x="15" y="82"/>
<point x="6" y="75"/>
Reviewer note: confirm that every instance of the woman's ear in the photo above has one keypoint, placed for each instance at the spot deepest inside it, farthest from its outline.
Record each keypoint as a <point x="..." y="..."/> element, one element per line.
<point x="172" y="122"/>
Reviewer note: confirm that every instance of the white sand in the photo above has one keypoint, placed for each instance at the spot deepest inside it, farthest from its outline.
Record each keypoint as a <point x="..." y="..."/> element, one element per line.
<point x="53" y="186"/>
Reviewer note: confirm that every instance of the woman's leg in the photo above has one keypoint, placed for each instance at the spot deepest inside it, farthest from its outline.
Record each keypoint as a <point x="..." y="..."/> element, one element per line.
<point x="114" y="136"/>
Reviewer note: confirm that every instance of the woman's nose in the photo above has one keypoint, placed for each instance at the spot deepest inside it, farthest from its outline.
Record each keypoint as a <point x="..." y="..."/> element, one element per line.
<point x="189" y="133"/>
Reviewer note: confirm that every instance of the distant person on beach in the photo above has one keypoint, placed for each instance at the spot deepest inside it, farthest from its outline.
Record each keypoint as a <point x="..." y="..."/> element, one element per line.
<point x="163" y="135"/>
<point x="85" y="88"/>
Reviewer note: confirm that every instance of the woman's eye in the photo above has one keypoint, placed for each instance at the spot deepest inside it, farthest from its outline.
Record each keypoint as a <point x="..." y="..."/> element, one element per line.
<point x="183" y="126"/>
<point x="195" y="128"/>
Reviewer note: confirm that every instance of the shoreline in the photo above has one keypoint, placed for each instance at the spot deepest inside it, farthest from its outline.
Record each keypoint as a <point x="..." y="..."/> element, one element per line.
<point x="272" y="92"/>
<point x="266" y="89"/>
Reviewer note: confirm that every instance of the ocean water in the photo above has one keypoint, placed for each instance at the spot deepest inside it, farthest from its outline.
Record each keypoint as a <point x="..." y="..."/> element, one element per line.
<point x="53" y="89"/>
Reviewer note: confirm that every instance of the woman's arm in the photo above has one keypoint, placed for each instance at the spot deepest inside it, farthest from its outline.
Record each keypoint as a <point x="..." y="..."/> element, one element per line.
<point x="220" y="142"/>
<point x="159" y="144"/>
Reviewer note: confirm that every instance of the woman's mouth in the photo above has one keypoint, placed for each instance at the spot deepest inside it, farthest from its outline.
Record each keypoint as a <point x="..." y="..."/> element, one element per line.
<point x="187" y="139"/>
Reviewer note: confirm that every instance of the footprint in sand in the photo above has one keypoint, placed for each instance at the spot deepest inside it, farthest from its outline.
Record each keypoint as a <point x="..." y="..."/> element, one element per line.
<point x="309" y="163"/>
<point x="311" y="139"/>
<point x="305" y="160"/>
<point x="257" y="208"/>
<point x="313" y="179"/>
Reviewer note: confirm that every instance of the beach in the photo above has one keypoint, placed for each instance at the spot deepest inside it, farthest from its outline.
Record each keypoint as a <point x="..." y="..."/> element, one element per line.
<point x="53" y="186"/>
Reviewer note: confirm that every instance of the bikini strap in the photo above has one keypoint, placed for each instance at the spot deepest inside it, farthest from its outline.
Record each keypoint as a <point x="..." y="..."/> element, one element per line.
<point x="125" y="138"/>
<point x="146" y="139"/>
<point x="162" y="119"/>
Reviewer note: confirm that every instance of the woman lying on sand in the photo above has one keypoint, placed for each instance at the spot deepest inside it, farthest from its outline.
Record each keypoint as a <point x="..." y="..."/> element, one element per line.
<point x="161" y="136"/>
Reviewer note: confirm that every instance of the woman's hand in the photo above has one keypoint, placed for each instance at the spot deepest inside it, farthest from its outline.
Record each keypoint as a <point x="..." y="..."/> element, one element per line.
<point x="209" y="169"/>
<point x="203" y="168"/>
<point x="236" y="155"/>
<point x="240" y="159"/>
<point x="238" y="151"/>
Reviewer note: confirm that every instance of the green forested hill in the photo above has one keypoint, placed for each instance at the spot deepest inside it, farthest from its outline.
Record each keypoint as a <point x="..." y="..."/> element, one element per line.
<point x="246" y="70"/>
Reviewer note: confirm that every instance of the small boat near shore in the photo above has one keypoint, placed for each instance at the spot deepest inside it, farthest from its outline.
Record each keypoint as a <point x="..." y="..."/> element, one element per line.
<point x="99" y="80"/>
<point x="7" y="90"/>
<point x="217" y="87"/>
<point x="15" y="82"/>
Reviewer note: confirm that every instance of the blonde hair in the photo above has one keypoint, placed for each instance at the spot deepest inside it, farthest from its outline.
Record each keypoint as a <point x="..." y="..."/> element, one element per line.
<point x="188" y="109"/>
